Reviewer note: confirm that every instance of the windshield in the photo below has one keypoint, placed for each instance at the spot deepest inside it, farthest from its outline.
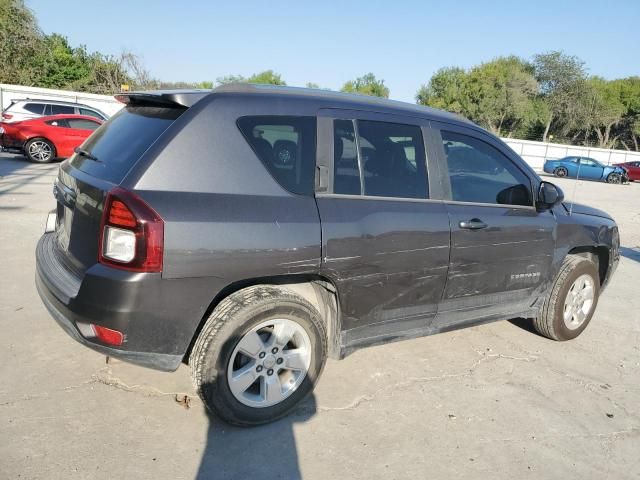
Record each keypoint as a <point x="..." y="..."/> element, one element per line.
<point x="120" y="142"/>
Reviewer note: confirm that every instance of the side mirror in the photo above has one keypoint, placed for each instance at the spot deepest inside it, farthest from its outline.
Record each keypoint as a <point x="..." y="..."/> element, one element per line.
<point x="549" y="195"/>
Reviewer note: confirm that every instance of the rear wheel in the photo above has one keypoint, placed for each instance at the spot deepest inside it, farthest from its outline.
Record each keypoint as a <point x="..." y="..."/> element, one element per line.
<point x="614" y="178"/>
<point x="259" y="353"/>
<point x="40" y="150"/>
<point x="560" y="172"/>
<point x="573" y="299"/>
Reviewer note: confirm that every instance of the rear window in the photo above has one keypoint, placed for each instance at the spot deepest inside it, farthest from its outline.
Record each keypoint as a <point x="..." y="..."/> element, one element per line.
<point x="286" y="145"/>
<point x="121" y="141"/>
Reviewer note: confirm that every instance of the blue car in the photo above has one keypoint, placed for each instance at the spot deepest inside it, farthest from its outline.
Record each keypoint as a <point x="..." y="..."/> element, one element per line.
<point x="587" y="168"/>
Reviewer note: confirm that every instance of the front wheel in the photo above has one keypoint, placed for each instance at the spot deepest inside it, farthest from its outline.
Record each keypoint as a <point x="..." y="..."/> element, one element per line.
<point x="40" y="150"/>
<point x="614" y="178"/>
<point x="259" y="353"/>
<point x="561" y="172"/>
<point x="573" y="299"/>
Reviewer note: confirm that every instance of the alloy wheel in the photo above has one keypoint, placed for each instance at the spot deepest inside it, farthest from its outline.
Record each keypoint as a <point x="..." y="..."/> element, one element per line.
<point x="269" y="363"/>
<point x="40" y="151"/>
<point x="578" y="302"/>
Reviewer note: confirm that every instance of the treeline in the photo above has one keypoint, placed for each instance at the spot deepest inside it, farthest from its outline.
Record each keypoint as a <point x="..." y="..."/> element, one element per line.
<point x="550" y="98"/>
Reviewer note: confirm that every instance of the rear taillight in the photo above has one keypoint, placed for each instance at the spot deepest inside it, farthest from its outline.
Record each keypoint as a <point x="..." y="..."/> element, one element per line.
<point x="6" y="116"/>
<point x="131" y="233"/>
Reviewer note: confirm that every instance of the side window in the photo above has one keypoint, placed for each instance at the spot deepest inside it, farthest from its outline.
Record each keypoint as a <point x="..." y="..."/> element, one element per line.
<point x="392" y="158"/>
<point x="286" y="146"/>
<point x="346" y="174"/>
<point x="82" y="124"/>
<point x="481" y="173"/>
<point x="58" y="123"/>
<point x="36" y="108"/>
<point x="90" y="113"/>
<point x="61" y="110"/>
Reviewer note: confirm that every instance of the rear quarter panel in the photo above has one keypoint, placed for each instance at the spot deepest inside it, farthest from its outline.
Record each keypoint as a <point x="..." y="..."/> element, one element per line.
<point x="226" y="219"/>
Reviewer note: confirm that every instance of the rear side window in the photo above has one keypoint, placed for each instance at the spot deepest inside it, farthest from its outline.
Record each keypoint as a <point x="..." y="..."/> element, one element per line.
<point x="122" y="140"/>
<point x="286" y="146"/>
<point x="61" y="110"/>
<point x="58" y="123"/>
<point x="480" y="173"/>
<point x="82" y="124"/>
<point x="391" y="157"/>
<point x="37" y="108"/>
<point x="91" y="113"/>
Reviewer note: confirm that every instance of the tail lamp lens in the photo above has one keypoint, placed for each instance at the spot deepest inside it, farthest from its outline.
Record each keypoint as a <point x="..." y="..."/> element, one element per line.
<point x="132" y="233"/>
<point x="107" y="335"/>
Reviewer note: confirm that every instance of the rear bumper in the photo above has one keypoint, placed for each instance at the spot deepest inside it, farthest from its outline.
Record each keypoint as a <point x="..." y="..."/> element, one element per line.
<point x="9" y="142"/>
<point x="157" y="317"/>
<point x="157" y="361"/>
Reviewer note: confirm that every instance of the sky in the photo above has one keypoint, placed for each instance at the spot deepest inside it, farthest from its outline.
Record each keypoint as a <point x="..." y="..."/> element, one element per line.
<point x="330" y="42"/>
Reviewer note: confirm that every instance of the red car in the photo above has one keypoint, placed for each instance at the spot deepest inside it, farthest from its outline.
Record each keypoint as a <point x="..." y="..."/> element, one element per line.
<point x="632" y="168"/>
<point x="44" y="139"/>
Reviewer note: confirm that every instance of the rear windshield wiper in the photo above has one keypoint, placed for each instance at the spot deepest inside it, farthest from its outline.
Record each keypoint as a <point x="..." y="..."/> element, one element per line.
<point x="85" y="153"/>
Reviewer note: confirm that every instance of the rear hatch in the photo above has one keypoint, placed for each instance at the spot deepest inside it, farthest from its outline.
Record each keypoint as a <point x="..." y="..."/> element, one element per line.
<point x="84" y="180"/>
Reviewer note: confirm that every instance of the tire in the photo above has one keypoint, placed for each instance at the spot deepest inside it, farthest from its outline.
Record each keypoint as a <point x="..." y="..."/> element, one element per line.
<point x="614" y="178"/>
<point x="40" y="150"/>
<point x="560" y="172"/>
<point x="218" y="354"/>
<point x="551" y="322"/>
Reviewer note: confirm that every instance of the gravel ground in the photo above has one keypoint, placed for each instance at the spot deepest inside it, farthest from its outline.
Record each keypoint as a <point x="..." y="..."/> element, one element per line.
<point x="496" y="400"/>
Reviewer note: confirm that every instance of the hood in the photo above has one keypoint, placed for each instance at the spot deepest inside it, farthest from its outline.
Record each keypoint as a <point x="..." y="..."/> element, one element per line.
<point x="586" y="210"/>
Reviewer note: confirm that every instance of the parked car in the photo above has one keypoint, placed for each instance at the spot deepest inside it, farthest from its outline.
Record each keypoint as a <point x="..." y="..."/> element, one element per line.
<point x="632" y="168"/>
<point x="254" y="231"/>
<point x="44" y="139"/>
<point x="586" y="168"/>
<point x="26" y="109"/>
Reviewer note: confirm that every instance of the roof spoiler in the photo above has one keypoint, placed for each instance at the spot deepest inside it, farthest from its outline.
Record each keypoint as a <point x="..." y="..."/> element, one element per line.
<point x="163" y="98"/>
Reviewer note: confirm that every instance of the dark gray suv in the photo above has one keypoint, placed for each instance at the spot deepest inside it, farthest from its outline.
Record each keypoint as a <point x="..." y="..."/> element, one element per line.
<point x="254" y="231"/>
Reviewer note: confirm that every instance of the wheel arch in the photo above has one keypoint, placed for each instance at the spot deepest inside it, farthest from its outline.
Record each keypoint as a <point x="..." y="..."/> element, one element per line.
<point x="598" y="255"/>
<point x="319" y="291"/>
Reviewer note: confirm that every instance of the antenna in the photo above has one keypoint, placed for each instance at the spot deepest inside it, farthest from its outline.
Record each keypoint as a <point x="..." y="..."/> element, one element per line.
<point x="575" y="187"/>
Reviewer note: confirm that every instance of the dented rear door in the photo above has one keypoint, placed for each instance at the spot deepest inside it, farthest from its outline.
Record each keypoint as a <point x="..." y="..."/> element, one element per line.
<point x="387" y="256"/>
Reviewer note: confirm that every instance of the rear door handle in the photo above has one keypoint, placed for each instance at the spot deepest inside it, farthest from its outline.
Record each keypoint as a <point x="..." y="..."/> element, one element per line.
<point x="473" y="224"/>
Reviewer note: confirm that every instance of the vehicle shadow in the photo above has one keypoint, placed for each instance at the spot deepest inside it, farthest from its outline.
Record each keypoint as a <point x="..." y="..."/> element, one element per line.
<point x="631" y="253"/>
<point x="265" y="452"/>
<point x="525" y="324"/>
<point x="16" y="172"/>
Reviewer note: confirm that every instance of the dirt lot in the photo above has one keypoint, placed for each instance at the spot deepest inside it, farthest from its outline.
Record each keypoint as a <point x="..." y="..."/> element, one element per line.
<point x="496" y="400"/>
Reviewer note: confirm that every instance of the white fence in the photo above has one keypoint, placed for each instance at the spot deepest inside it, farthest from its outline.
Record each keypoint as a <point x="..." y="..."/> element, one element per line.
<point x="104" y="103"/>
<point x="535" y="153"/>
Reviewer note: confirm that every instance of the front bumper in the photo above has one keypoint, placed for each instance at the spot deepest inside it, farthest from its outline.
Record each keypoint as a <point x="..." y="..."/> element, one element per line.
<point x="151" y="313"/>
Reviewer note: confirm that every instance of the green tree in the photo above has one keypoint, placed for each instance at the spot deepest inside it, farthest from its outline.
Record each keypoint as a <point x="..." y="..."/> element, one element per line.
<point x="628" y="129"/>
<point x="64" y="66"/>
<point x="447" y="90"/>
<point x="267" y="77"/>
<point x="562" y="81"/>
<point x="231" y="79"/>
<point x="367" y="85"/>
<point x="605" y="109"/>
<point x="312" y="85"/>
<point x="500" y="94"/>
<point x="21" y="44"/>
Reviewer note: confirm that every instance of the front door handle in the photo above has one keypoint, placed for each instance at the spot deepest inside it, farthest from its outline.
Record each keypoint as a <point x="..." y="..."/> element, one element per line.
<point x="473" y="224"/>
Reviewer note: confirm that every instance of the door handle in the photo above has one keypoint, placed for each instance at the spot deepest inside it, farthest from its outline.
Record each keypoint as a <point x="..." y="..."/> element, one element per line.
<point x="473" y="224"/>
